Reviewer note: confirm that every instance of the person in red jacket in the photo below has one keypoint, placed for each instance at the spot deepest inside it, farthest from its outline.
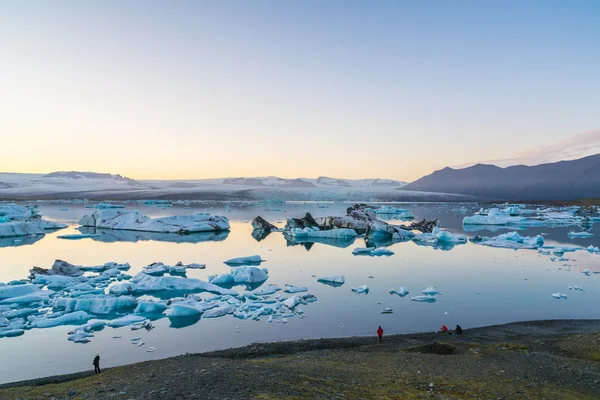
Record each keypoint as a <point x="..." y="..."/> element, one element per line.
<point x="380" y="333"/>
<point x="444" y="329"/>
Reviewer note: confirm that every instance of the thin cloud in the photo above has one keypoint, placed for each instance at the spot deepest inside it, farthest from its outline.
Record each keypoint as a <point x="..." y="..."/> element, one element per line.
<point x="572" y="148"/>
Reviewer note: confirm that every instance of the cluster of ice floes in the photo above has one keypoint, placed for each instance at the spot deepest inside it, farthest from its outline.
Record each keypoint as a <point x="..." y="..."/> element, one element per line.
<point x="95" y="297"/>
<point x="517" y="216"/>
<point x="511" y="240"/>
<point x="16" y="221"/>
<point x="582" y="234"/>
<point x="136" y="221"/>
<point x="439" y="238"/>
<point x="428" y="295"/>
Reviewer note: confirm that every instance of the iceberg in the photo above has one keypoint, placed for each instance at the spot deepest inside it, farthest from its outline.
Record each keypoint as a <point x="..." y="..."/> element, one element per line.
<point x="219" y="311"/>
<point x="74" y="318"/>
<point x="559" y="295"/>
<point x="250" y="260"/>
<point x="135" y="221"/>
<point x="56" y="282"/>
<point x="100" y="304"/>
<point x="126" y="320"/>
<point x="249" y="274"/>
<point x="11" y="332"/>
<point x="6" y="292"/>
<point x="438" y="237"/>
<point x="423" y="299"/>
<point x="143" y="283"/>
<point x="265" y="291"/>
<point x="20" y="228"/>
<point x="361" y="289"/>
<point x="374" y="252"/>
<point x="336" y="280"/>
<point x="295" y="289"/>
<point x="340" y="233"/>
<point x="16" y="220"/>
<point x="390" y="210"/>
<point x="431" y="291"/>
<point x="59" y="267"/>
<point x="511" y="240"/>
<point x="156" y="269"/>
<point x="41" y="296"/>
<point x="494" y="217"/>
<point x="402" y="292"/>
<point x="78" y="236"/>
<point x="582" y="234"/>
<point x="593" y="249"/>
<point x="150" y="307"/>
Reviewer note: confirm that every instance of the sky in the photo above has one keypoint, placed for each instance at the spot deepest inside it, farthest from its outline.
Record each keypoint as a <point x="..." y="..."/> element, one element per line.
<point x="351" y="89"/>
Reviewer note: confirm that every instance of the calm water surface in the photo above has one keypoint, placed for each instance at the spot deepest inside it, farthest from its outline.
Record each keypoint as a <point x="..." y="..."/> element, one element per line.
<point x="480" y="285"/>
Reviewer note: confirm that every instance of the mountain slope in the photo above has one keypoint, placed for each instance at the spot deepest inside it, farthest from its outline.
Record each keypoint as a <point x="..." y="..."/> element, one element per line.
<point x="564" y="180"/>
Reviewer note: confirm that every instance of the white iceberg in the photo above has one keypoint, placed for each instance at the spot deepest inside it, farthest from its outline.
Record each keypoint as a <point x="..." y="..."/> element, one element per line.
<point x="219" y="311"/>
<point x="101" y="304"/>
<point x="249" y="274"/>
<point x="593" y="249"/>
<point x="20" y="228"/>
<point x="337" y="280"/>
<point x="78" y="236"/>
<point x="438" y="237"/>
<point x="431" y="291"/>
<point x="402" y="292"/>
<point x="265" y="291"/>
<point x="41" y="296"/>
<point x="143" y="283"/>
<point x="494" y="217"/>
<point x="374" y="252"/>
<point x="136" y="221"/>
<point x="250" y="260"/>
<point x="582" y="234"/>
<point x="295" y="289"/>
<point x="340" y="233"/>
<point x="390" y="210"/>
<point x="7" y="292"/>
<point x="424" y="299"/>
<point x="48" y="321"/>
<point x="361" y="289"/>
<point x="126" y="320"/>
<point x="156" y="269"/>
<point x="511" y="240"/>
<point x="559" y="295"/>
<point x="150" y="307"/>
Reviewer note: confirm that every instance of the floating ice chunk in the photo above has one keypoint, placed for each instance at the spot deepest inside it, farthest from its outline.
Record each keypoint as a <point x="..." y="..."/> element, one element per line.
<point x="135" y="221"/>
<point x="402" y="292"/>
<point x="223" y="279"/>
<point x="512" y="240"/>
<point x="250" y="260"/>
<point x="582" y="234"/>
<point x="20" y="228"/>
<point x="295" y="289"/>
<point x="11" y="332"/>
<point x="58" y="281"/>
<point x="299" y="233"/>
<point x="151" y="349"/>
<point x="143" y="283"/>
<point x="19" y="313"/>
<point x="104" y="206"/>
<point x="431" y="291"/>
<point x="100" y="304"/>
<point x="338" y="280"/>
<point x="193" y="266"/>
<point x="267" y="290"/>
<point x="59" y="267"/>
<point x="77" y="236"/>
<point x="494" y="217"/>
<point x="249" y="274"/>
<point x="375" y="252"/>
<point x="177" y="270"/>
<point x="41" y="296"/>
<point x="80" y="337"/>
<point x="423" y="299"/>
<point x="437" y="237"/>
<point x="74" y="318"/>
<point x="361" y="289"/>
<point x="559" y="295"/>
<point x="593" y="249"/>
<point x="83" y="287"/>
<point x="387" y="311"/>
<point x="146" y="324"/>
<point x="390" y="210"/>
<point x="7" y="292"/>
<point x="150" y="307"/>
<point x="156" y="269"/>
<point x="184" y="310"/>
<point x="219" y="311"/>
<point x="106" y="267"/>
<point x="126" y="320"/>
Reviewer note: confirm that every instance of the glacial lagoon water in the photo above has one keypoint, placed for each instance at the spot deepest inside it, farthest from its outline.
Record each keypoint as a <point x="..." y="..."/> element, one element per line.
<point x="480" y="285"/>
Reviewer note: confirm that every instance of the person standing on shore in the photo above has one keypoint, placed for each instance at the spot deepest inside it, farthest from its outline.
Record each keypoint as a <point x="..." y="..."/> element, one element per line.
<point x="380" y="334"/>
<point x="97" y="364"/>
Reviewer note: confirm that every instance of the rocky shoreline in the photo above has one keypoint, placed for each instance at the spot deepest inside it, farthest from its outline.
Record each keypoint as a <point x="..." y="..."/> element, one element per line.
<point x="558" y="359"/>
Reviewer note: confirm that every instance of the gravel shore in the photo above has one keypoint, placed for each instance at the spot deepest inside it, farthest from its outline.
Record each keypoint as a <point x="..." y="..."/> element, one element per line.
<point x="526" y="360"/>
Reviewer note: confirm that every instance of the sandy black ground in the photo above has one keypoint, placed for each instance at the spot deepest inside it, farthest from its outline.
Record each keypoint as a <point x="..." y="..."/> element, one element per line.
<point x="528" y="360"/>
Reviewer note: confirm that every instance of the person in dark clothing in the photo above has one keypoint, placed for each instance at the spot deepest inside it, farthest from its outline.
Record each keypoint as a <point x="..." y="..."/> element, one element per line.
<point x="380" y="334"/>
<point x="458" y="329"/>
<point x="97" y="363"/>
